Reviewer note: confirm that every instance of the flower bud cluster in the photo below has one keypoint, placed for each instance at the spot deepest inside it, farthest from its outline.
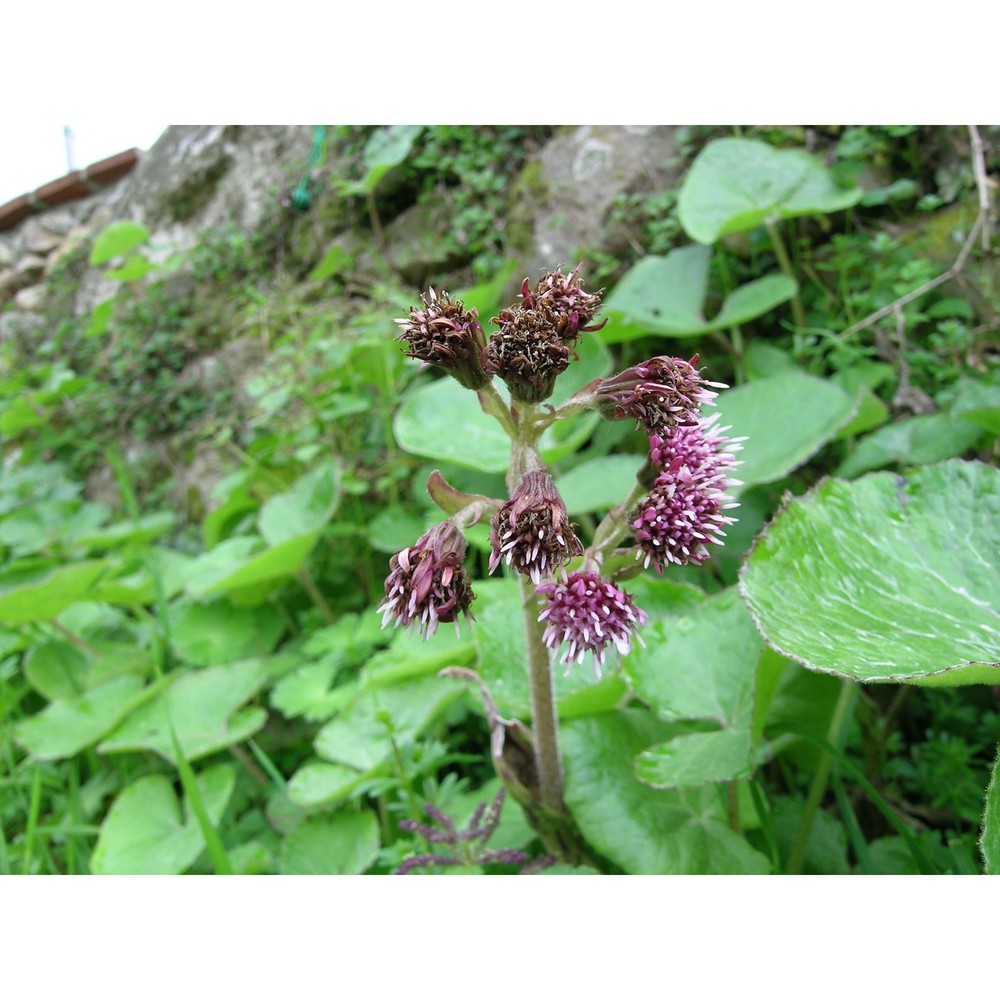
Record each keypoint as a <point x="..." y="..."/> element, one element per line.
<point x="427" y="582"/>
<point x="685" y="508"/>
<point x="446" y="334"/>
<point x="533" y="345"/>
<point x="659" y="394"/>
<point x="532" y="530"/>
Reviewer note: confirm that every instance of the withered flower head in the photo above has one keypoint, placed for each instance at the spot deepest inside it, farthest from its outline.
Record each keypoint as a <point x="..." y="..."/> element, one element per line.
<point x="533" y="530"/>
<point x="588" y="614"/>
<point x="562" y="296"/>
<point x="427" y="582"/>
<point x="446" y="334"/>
<point x="527" y="353"/>
<point x="659" y="394"/>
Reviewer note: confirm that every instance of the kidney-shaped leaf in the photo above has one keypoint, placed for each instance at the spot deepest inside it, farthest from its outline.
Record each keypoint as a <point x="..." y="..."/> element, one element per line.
<point x="144" y="832"/>
<point x="737" y="184"/>
<point x="343" y="844"/>
<point x="786" y="419"/>
<point x="204" y="708"/>
<point x="666" y="295"/>
<point x="644" y="830"/>
<point x="888" y="578"/>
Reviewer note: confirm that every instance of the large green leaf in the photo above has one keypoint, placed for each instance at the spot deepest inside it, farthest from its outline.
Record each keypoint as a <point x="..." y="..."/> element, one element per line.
<point x="666" y="296"/>
<point x="737" y="184"/>
<point x="207" y="634"/>
<point x="600" y="484"/>
<point x="363" y="735"/>
<point x="644" y="830"/>
<point x="699" y="666"/>
<point x="921" y="440"/>
<point x="887" y="578"/>
<point x="695" y="759"/>
<point x="989" y="842"/>
<point x="38" y="594"/>
<point x="304" y="509"/>
<point x="342" y="844"/>
<point x="786" y="418"/>
<point x="204" y="707"/>
<point x="66" y="727"/>
<point x="444" y="421"/>
<point x="145" y="832"/>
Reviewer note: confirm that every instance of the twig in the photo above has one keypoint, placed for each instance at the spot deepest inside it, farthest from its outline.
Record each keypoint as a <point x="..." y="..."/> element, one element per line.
<point x="981" y="225"/>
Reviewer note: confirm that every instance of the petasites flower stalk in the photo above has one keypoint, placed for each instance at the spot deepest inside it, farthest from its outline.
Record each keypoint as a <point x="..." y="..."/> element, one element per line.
<point x="658" y="394"/>
<point x="685" y="509"/>
<point x="586" y="613"/>
<point x="446" y="334"/>
<point x="532" y="529"/>
<point x="427" y="582"/>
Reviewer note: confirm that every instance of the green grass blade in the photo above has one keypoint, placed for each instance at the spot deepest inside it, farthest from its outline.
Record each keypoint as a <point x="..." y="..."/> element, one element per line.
<point x="216" y="850"/>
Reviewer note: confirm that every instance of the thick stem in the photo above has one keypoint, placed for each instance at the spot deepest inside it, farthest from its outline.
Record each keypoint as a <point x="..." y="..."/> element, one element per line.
<point x="544" y="720"/>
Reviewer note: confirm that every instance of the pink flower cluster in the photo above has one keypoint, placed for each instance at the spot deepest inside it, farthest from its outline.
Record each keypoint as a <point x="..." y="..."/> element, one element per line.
<point x="588" y="614"/>
<point x="685" y="508"/>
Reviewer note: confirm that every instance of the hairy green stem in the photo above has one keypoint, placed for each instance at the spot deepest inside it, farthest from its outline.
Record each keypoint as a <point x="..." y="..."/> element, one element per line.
<point x="544" y="721"/>
<point x="524" y="457"/>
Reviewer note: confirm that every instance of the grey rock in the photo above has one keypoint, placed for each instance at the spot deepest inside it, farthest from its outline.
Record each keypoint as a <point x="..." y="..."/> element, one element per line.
<point x="30" y="267"/>
<point x="6" y="254"/>
<point x="24" y="328"/>
<point x="58" y="221"/>
<point x="564" y="194"/>
<point x="37" y="239"/>
<point x="208" y="176"/>
<point x="10" y="283"/>
<point x="419" y="245"/>
<point x="31" y="299"/>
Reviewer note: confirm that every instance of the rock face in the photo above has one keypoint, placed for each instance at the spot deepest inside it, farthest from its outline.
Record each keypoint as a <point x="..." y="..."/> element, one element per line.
<point x="200" y="176"/>
<point x="563" y="197"/>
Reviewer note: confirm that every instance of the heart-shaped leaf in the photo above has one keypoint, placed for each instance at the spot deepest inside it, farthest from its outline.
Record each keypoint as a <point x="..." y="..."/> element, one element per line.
<point x="737" y="184"/>
<point x="644" y="830"/>
<point x="145" y="832"/>
<point x="666" y="296"/>
<point x="342" y="844"/>
<point x="887" y="578"/>
<point x="786" y="419"/>
<point x="204" y="707"/>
